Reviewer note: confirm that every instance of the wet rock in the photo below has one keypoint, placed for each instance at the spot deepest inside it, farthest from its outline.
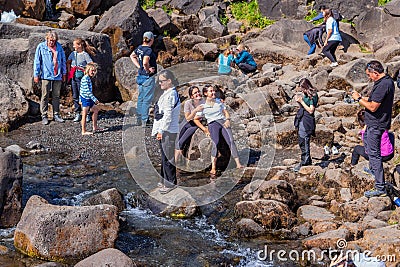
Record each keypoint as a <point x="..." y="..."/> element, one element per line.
<point x="270" y="214"/>
<point x="326" y="240"/>
<point x="277" y="190"/>
<point x="180" y="203"/>
<point x="111" y="197"/>
<point x="314" y="214"/>
<point x="10" y="189"/>
<point x="247" y="228"/>
<point x="107" y="257"/>
<point x="65" y="233"/>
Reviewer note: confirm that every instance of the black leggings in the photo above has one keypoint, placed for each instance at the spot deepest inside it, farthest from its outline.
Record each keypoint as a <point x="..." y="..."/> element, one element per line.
<point x="329" y="50"/>
<point x="217" y="127"/>
<point x="186" y="133"/>
<point x="360" y="151"/>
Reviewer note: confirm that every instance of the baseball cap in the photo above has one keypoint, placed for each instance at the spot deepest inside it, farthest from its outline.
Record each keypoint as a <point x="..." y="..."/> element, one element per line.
<point x="148" y="35"/>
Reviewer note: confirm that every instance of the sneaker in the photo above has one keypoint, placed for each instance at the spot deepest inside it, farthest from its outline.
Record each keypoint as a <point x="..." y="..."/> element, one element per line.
<point x="88" y="118"/>
<point x="57" y="118"/>
<point x="334" y="64"/>
<point x="297" y="168"/>
<point x="77" y="118"/>
<point x="374" y="193"/>
<point x="367" y="171"/>
<point x="144" y="124"/>
<point x="45" y="121"/>
<point x="335" y="151"/>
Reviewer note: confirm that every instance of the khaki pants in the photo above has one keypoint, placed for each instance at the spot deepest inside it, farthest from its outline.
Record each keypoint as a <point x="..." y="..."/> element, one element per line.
<point x="54" y="88"/>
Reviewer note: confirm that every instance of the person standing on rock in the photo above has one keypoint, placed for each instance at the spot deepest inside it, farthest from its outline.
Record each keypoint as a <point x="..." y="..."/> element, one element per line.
<point x="378" y="118"/>
<point x="76" y="63"/>
<point x="144" y="59"/>
<point x="305" y="120"/>
<point x="333" y="37"/>
<point x="49" y="66"/>
<point x="166" y="128"/>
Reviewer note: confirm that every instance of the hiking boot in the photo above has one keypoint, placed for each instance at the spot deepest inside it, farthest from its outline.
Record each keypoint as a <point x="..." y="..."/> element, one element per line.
<point x="57" y="118"/>
<point x="45" y="121"/>
<point x="374" y="193"/>
<point x="77" y="118"/>
<point x="88" y="118"/>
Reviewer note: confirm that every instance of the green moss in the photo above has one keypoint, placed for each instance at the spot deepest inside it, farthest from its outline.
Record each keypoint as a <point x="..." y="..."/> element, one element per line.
<point x="249" y="14"/>
<point x="311" y="14"/>
<point x="383" y="2"/>
<point x="146" y="4"/>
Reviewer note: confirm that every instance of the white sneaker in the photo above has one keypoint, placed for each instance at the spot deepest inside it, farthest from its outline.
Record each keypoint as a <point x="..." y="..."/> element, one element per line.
<point x="335" y="151"/>
<point x="334" y="64"/>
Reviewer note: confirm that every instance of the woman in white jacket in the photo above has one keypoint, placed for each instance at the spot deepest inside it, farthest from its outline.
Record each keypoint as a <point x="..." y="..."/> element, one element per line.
<point x="166" y="128"/>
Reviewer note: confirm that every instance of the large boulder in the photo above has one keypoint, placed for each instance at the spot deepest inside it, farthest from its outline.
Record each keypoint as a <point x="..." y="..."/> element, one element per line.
<point x="374" y="23"/>
<point x="20" y="41"/>
<point x="33" y="8"/>
<point x="13" y="105"/>
<point x="276" y="9"/>
<point x="86" y="7"/>
<point x="125" y="23"/>
<point x="65" y="233"/>
<point x="10" y="189"/>
<point x="111" y="197"/>
<point x="349" y="8"/>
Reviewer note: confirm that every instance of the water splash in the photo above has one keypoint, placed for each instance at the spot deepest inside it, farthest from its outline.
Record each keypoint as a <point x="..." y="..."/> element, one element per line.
<point x="8" y="16"/>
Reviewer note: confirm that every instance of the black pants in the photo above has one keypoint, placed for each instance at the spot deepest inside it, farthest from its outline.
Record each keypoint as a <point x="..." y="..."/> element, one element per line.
<point x="360" y="151"/>
<point x="304" y="144"/>
<point x="329" y="50"/>
<point x="186" y="133"/>
<point x="76" y="84"/>
<point x="168" y="168"/>
<point x="246" y="68"/>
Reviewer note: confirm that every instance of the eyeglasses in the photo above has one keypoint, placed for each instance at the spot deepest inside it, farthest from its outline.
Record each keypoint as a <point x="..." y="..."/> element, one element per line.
<point x="161" y="81"/>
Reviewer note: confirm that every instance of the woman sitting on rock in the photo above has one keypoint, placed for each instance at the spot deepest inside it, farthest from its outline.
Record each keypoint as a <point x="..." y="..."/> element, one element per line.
<point x="219" y="122"/>
<point x="305" y="120"/>
<point x="191" y="107"/>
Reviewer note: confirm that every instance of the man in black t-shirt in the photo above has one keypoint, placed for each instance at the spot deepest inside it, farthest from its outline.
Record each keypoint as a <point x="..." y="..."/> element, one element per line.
<point x="378" y="118"/>
<point x="145" y="60"/>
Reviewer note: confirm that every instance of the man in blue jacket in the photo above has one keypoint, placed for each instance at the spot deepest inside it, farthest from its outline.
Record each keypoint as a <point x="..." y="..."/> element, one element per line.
<point x="50" y="66"/>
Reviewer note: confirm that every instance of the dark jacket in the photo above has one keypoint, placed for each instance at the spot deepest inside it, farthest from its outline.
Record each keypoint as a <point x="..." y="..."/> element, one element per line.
<point x="308" y="121"/>
<point x="315" y="34"/>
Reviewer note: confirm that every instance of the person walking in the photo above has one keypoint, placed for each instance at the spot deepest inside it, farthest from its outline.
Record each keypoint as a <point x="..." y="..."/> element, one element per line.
<point x="305" y="120"/>
<point x="219" y="122"/>
<point x="166" y="128"/>
<point x="76" y="63"/>
<point x="333" y="37"/>
<point x="378" y="118"/>
<point x="313" y="37"/>
<point x="49" y="66"/>
<point x="144" y="59"/>
<point x="88" y="100"/>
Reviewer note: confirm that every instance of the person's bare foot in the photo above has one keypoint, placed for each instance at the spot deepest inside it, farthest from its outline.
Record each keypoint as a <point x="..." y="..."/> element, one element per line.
<point x="87" y="133"/>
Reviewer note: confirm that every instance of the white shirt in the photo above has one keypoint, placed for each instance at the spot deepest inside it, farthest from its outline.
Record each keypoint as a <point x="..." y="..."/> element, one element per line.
<point x="170" y="105"/>
<point x="213" y="113"/>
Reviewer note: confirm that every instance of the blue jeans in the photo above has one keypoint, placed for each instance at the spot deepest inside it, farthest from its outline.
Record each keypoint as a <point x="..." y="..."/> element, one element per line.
<point x="146" y="95"/>
<point x="311" y="45"/>
<point x="372" y="142"/>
